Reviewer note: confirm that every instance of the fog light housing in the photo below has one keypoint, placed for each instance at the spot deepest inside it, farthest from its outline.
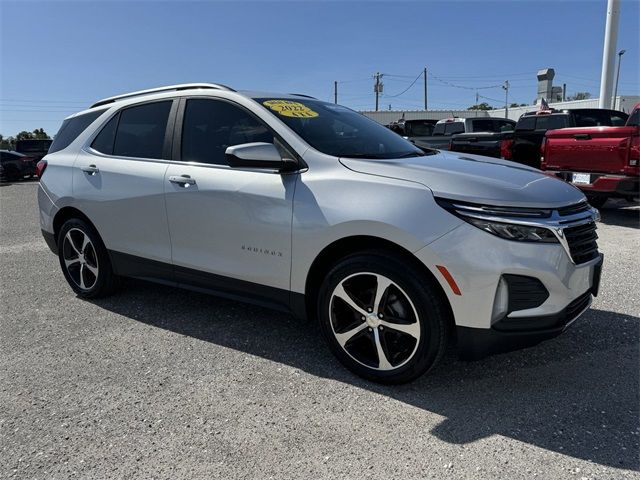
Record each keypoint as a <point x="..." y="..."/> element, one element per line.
<point x="501" y="301"/>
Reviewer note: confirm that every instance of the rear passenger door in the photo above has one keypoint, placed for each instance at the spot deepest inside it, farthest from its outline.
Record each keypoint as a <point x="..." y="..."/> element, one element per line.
<point x="230" y="227"/>
<point x="118" y="183"/>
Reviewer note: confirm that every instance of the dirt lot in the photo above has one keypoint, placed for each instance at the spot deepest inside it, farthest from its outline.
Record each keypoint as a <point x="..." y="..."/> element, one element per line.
<point x="163" y="383"/>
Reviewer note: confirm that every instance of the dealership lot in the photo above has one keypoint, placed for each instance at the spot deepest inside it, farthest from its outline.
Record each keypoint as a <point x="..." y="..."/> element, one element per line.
<point x="157" y="382"/>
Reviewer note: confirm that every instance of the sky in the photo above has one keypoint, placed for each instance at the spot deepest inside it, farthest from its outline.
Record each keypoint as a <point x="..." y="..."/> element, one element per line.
<point x="57" y="58"/>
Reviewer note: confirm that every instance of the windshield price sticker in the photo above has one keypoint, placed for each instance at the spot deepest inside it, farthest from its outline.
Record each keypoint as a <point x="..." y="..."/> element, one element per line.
<point x="287" y="108"/>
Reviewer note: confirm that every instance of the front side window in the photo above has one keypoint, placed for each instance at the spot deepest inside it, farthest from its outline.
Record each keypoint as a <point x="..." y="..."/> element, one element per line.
<point x="141" y="130"/>
<point x="71" y="128"/>
<point x="338" y="131"/>
<point x="634" y="120"/>
<point x="210" y="126"/>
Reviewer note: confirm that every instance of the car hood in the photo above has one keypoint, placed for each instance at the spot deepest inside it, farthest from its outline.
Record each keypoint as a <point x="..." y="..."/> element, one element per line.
<point x="474" y="178"/>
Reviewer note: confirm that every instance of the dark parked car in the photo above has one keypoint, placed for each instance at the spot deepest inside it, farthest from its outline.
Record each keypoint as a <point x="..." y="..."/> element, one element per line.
<point x="524" y="145"/>
<point x="34" y="148"/>
<point x="16" y="166"/>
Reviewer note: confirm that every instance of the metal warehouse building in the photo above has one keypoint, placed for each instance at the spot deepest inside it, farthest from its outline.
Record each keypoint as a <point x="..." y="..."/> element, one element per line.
<point x="624" y="103"/>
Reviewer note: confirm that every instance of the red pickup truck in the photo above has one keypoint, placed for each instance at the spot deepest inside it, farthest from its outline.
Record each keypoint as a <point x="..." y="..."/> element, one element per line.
<point x="603" y="162"/>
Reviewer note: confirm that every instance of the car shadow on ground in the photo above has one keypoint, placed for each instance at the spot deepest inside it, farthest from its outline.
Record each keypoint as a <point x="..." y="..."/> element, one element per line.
<point x="577" y="395"/>
<point x="620" y="213"/>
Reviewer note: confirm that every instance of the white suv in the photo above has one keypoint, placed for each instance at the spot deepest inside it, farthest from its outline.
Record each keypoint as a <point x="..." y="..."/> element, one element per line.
<point x="310" y="207"/>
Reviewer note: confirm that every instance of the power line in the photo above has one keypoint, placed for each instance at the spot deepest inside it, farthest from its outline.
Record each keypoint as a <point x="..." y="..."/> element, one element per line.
<point x="406" y="89"/>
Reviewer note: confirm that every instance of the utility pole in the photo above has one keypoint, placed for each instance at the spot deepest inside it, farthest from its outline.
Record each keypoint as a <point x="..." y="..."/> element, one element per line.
<point x="564" y="92"/>
<point x="608" y="53"/>
<point x="335" y="92"/>
<point x="476" y="109"/>
<point x="425" y="88"/>
<point x="506" y="98"/>
<point x="615" y="90"/>
<point x="377" y="88"/>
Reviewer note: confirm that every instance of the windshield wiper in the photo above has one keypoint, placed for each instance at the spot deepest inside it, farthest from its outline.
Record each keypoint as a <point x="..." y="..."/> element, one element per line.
<point x="412" y="154"/>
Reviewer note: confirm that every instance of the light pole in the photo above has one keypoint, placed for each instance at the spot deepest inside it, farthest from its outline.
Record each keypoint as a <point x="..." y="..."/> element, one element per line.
<point x="615" y="91"/>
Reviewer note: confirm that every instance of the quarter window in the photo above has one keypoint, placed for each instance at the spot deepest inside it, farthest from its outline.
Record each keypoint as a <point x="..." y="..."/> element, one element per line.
<point x="71" y="128"/>
<point x="210" y="126"/>
<point x="103" y="143"/>
<point x="141" y="130"/>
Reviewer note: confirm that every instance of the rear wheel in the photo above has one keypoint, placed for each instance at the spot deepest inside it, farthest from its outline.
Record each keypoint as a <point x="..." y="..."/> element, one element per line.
<point x="382" y="318"/>
<point x="84" y="260"/>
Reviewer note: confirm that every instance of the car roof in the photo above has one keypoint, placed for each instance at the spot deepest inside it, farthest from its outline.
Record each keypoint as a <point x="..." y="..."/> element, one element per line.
<point x="182" y="90"/>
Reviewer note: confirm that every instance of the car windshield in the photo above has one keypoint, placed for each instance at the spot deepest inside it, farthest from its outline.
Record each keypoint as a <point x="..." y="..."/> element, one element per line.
<point x="339" y="131"/>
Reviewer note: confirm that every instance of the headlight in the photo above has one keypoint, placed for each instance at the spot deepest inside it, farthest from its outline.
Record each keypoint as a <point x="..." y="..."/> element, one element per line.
<point x="495" y="220"/>
<point x="512" y="231"/>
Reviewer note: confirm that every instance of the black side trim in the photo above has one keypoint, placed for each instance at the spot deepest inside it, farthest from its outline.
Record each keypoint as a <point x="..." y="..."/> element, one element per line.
<point x="204" y="282"/>
<point x="51" y="241"/>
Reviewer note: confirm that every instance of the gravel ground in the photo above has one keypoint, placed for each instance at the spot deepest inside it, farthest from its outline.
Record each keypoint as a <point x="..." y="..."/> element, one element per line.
<point x="163" y="383"/>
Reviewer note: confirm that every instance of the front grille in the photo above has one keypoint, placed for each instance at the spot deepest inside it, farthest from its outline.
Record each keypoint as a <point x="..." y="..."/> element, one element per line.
<point x="573" y="209"/>
<point x="582" y="242"/>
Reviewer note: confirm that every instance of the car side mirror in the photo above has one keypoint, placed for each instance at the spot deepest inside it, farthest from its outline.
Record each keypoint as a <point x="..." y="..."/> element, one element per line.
<point x="256" y="155"/>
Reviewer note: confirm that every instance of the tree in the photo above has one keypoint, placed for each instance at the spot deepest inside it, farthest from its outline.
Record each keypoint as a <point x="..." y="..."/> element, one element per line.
<point x="40" y="134"/>
<point x="8" y="143"/>
<point x="24" y="135"/>
<point x="481" y="106"/>
<point x="579" y="96"/>
<point x="517" y="105"/>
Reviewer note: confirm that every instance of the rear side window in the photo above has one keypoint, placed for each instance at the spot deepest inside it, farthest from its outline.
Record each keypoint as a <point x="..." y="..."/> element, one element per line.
<point x="483" y="126"/>
<point x="526" y="123"/>
<point x="634" y="120"/>
<point x="141" y="130"/>
<point x="454" y="127"/>
<point x="210" y="126"/>
<point x="551" y="122"/>
<point x="599" y="118"/>
<point x="71" y="128"/>
<point x="503" y="126"/>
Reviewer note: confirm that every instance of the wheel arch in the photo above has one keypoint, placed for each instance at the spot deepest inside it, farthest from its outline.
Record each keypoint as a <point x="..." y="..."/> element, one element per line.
<point x="65" y="214"/>
<point x="346" y="246"/>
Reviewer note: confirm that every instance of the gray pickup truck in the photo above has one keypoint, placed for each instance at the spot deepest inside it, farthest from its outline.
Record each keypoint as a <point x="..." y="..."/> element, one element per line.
<point x="445" y="129"/>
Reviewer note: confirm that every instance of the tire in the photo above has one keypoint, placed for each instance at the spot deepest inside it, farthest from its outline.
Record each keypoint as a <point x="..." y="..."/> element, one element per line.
<point x="597" y="201"/>
<point x="85" y="261"/>
<point x="408" y="301"/>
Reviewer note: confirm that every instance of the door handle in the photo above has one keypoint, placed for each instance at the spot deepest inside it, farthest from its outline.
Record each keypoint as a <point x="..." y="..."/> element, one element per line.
<point x="184" y="181"/>
<point x="91" y="169"/>
<point x="582" y="136"/>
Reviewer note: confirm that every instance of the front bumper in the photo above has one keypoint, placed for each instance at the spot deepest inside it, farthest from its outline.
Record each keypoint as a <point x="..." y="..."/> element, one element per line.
<point x="477" y="343"/>
<point x="477" y="261"/>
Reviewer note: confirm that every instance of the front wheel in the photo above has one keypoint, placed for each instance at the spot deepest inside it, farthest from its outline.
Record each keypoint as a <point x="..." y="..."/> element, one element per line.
<point x="84" y="260"/>
<point x="382" y="318"/>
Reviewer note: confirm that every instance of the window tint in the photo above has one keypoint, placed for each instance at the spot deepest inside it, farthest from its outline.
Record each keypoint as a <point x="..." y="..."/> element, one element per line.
<point x="483" y="126"/>
<point x="526" y="123"/>
<point x="503" y="126"/>
<point x="104" y="141"/>
<point x="551" y="122"/>
<point x="210" y="126"/>
<point x="453" y="127"/>
<point x="438" y="129"/>
<point x="141" y="130"/>
<point x="599" y="118"/>
<point x="71" y="128"/>
<point x="634" y="120"/>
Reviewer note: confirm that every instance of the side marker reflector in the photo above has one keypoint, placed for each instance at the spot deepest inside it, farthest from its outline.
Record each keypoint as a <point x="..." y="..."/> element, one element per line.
<point x="447" y="276"/>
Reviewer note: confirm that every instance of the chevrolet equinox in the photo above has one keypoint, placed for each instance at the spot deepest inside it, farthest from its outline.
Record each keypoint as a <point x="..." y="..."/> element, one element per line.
<point x="310" y="207"/>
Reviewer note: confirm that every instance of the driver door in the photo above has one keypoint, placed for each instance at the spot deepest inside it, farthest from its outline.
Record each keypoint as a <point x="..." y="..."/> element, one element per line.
<point x="230" y="228"/>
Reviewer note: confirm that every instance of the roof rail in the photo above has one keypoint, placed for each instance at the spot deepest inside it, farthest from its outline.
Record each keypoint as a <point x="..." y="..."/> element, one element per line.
<point x="303" y="95"/>
<point x="170" y="88"/>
